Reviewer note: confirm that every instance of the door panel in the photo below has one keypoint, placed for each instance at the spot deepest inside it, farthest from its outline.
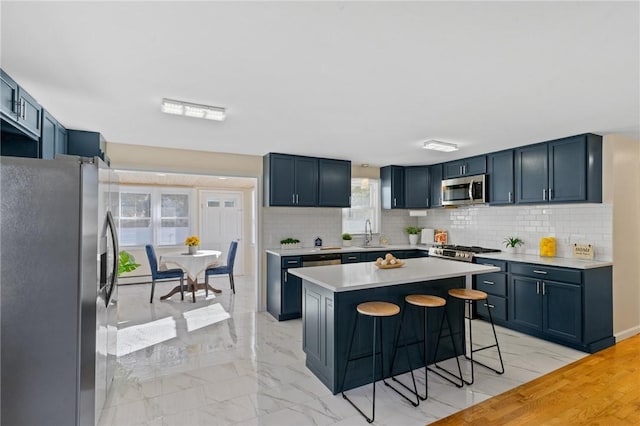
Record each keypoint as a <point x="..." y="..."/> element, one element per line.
<point x="525" y="302"/>
<point x="221" y="222"/>
<point x="563" y="310"/>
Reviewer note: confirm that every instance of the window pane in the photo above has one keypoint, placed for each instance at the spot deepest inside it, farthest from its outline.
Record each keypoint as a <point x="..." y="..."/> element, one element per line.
<point x="135" y="219"/>
<point x="174" y="221"/>
<point x="365" y="204"/>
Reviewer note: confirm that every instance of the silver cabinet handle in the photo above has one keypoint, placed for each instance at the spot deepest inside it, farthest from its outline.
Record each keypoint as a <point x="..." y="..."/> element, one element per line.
<point x="536" y="271"/>
<point x="544" y="288"/>
<point x="352" y="257"/>
<point x="285" y="277"/>
<point x="23" y="109"/>
<point x="292" y="262"/>
<point x="297" y="199"/>
<point x="394" y="202"/>
<point x="510" y="199"/>
<point x="293" y="198"/>
<point x="488" y="305"/>
<point x="544" y="194"/>
<point x="488" y="282"/>
<point x="537" y="287"/>
<point x="550" y="194"/>
<point x="461" y="172"/>
<point x="464" y="169"/>
<point x="489" y="264"/>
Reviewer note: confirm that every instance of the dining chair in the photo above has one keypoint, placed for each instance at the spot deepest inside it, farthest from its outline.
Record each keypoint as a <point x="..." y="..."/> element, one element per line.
<point x="169" y="274"/>
<point x="224" y="269"/>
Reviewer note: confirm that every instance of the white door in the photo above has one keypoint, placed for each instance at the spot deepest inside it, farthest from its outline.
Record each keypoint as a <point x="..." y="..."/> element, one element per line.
<point x="221" y="221"/>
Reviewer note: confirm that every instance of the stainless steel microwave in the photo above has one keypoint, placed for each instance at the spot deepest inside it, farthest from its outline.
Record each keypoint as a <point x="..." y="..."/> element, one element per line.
<point x="464" y="191"/>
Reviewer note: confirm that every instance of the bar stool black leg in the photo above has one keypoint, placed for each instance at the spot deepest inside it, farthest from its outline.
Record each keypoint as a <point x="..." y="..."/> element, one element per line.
<point x="393" y="360"/>
<point x="455" y="351"/>
<point x="497" y="345"/>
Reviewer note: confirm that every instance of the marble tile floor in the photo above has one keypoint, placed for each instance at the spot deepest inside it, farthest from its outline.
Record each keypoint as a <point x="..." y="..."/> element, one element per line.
<point x="218" y="362"/>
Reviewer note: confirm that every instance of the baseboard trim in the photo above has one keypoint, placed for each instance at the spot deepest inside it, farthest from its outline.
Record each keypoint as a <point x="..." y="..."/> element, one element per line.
<point x="625" y="334"/>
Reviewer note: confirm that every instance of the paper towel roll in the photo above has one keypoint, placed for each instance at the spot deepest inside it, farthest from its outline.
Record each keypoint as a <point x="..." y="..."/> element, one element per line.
<point x="427" y="236"/>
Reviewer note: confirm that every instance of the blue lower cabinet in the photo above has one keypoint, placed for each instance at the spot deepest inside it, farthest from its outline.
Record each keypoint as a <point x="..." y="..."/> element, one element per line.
<point x="562" y="310"/>
<point x="351" y="258"/>
<point x="328" y="320"/>
<point x="283" y="289"/>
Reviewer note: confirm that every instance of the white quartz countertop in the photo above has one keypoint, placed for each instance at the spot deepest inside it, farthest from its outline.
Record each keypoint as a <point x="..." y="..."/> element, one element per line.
<point x="358" y="276"/>
<point x="316" y="250"/>
<point x="562" y="262"/>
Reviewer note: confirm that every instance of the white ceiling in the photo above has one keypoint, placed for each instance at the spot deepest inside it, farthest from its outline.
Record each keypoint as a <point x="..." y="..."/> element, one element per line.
<point x="364" y="81"/>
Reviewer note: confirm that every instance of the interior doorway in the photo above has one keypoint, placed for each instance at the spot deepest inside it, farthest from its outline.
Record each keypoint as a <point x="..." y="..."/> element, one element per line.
<point x="222" y="221"/>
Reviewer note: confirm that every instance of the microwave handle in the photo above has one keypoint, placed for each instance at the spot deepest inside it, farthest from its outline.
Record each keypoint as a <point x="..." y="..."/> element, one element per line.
<point x="471" y="190"/>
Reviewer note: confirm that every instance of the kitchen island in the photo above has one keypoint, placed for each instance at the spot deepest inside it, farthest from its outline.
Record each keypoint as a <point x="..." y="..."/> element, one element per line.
<point x="330" y="295"/>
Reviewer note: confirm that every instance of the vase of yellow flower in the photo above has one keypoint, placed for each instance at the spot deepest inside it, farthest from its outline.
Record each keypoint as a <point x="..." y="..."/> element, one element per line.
<point x="192" y="242"/>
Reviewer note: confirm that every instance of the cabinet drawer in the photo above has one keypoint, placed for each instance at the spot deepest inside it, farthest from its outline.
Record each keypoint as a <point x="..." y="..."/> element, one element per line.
<point x="291" y="262"/>
<point x="493" y="283"/>
<point x="547" y="272"/>
<point x="499" y="310"/>
<point x="502" y="264"/>
<point x="351" y="258"/>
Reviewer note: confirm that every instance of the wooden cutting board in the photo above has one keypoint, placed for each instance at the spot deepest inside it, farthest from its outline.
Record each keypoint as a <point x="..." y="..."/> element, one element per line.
<point x="330" y="248"/>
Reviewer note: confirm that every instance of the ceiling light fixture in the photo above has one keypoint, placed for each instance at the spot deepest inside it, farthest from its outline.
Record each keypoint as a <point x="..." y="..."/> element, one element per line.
<point x="440" y="146"/>
<point x="208" y="112"/>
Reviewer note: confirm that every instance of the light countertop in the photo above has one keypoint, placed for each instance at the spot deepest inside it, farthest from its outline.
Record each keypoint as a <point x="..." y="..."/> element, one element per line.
<point x="562" y="262"/>
<point x="353" y="249"/>
<point x="358" y="276"/>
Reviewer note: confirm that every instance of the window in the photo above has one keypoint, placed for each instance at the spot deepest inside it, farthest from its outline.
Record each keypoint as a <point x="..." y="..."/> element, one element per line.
<point x="365" y="204"/>
<point x="151" y="215"/>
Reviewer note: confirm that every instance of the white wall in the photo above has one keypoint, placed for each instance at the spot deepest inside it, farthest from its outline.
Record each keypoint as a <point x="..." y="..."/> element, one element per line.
<point x="488" y="226"/>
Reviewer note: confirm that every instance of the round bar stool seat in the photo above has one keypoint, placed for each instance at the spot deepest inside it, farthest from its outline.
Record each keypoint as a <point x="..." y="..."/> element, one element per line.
<point x="426" y="301"/>
<point x="467" y="294"/>
<point x="378" y="309"/>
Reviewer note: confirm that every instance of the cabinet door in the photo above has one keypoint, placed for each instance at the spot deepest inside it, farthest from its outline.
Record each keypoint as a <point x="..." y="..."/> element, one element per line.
<point x="392" y="187"/>
<point x="435" y="183"/>
<point x="452" y="169"/>
<point x="48" y="137"/>
<point x="291" y="294"/>
<point x="334" y="183"/>
<point x="562" y="310"/>
<point x="525" y="303"/>
<point x="8" y="97"/>
<point x="500" y="177"/>
<point x="531" y="173"/>
<point x="30" y="114"/>
<point x="416" y="186"/>
<point x="568" y="170"/>
<point x="475" y="165"/>
<point x="61" y="140"/>
<point x="306" y="181"/>
<point x="281" y="180"/>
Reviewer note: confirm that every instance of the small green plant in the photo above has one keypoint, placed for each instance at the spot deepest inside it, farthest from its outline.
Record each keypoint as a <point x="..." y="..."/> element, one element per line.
<point x="289" y="241"/>
<point x="412" y="230"/>
<point x="346" y="236"/>
<point x="126" y="262"/>
<point x="512" y="242"/>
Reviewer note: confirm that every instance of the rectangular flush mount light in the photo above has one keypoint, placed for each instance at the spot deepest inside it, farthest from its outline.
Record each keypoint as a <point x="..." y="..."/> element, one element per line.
<point x="440" y="146"/>
<point x="170" y="106"/>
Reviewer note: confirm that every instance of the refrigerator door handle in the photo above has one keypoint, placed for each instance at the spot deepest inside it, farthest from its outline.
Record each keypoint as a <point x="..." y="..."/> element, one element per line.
<point x="111" y="226"/>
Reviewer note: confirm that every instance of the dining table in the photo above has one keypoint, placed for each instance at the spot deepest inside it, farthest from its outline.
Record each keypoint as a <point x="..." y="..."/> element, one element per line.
<point x="193" y="265"/>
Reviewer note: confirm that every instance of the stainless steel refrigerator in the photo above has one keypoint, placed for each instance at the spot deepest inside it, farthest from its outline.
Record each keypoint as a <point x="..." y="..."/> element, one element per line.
<point x="58" y="290"/>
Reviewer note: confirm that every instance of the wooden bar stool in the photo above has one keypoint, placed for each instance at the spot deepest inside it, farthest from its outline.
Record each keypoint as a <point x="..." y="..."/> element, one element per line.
<point x="375" y="310"/>
<point x="468" y="297"/>
<point x="426" y="302"/>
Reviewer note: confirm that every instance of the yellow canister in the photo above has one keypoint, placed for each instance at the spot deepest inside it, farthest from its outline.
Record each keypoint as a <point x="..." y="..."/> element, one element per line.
<point x="547" y="246"/>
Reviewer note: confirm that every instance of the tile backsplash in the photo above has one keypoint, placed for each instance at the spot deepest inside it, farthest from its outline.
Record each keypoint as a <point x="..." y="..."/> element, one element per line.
<point x="488" y="226"/>
<point x="484" y="226"/>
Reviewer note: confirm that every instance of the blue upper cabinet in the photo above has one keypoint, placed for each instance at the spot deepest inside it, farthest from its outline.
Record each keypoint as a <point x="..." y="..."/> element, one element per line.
<point x="54" y="137"/>
<point x="18" y="108"/>
<point x="334" y="183"/>
<point x="560" y="171"/>
<point x="435" y="184"/>
<point x="532" y="170"/>
<point x="416" y="187"/>
<point x="465" y="167"/>
<point x="500" y="177"/>
<point x="392" y="187"/>
<point x="298" y="181"/>
<point x="86" y="144"/>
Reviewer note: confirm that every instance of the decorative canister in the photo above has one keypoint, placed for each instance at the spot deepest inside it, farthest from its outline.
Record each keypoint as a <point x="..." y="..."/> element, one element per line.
<point x="547" y="246"/>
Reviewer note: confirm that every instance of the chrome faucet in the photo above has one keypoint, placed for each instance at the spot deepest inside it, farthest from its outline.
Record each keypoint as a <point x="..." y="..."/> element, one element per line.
<point x="368" y="235"/>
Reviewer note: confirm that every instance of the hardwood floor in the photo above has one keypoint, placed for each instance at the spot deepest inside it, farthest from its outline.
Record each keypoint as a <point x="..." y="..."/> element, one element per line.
<point x="601" y="389"/>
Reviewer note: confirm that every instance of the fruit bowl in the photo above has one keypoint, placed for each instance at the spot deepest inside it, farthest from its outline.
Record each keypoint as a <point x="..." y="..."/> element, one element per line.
<point x="398" y="264"/>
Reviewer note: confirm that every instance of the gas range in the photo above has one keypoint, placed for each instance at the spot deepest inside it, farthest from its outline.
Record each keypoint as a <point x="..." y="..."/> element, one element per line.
<point x="462" y="253"/>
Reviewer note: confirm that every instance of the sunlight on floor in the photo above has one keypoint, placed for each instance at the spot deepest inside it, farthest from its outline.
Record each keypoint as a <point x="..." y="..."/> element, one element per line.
<point x="205" y="316"/>
<point x="136" y="337"/>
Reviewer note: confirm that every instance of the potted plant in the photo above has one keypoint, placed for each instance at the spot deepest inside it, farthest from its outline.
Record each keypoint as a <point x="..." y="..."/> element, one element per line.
<point x="413" y="232"/>
<point x="346" y="239"/>
<point x="289" y="243"/>
<point x="192" y="242"/>
<point x="512" y="244"/>
<point x="126" y="262"/>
